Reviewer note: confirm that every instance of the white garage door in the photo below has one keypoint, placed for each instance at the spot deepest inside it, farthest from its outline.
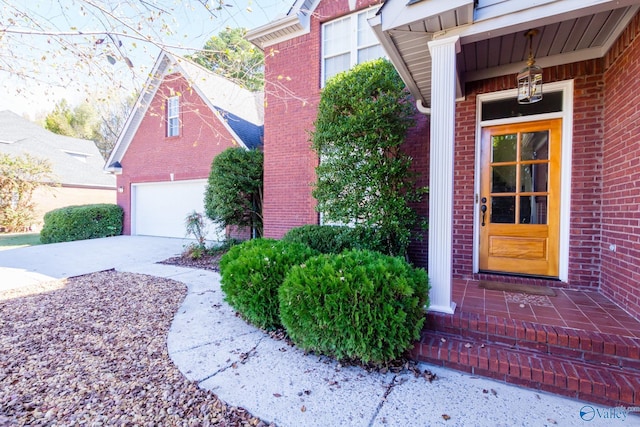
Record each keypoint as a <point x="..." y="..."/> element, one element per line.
<point x="160" y="209"/>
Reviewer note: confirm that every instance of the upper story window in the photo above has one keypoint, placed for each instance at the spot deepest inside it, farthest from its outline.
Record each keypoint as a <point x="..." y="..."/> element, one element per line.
<point x="348" y="41"/>
<point x="173" y="116"/>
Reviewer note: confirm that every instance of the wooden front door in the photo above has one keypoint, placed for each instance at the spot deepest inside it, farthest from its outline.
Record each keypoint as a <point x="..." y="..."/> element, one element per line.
<point x="520" y="198"/>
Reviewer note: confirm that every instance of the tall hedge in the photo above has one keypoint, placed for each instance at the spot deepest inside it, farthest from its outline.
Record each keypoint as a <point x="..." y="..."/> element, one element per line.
<point x="82" y="222"/>
<point x="364" y="178"/>
<point x="234" y="192"/>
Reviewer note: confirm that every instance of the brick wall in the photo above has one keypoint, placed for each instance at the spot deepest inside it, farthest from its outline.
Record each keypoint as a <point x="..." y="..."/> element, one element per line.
<point x="621" y="173"/>
<point x="153" y="157"/>
<point x="292" y="73"/>
<point x="584" y="251"/>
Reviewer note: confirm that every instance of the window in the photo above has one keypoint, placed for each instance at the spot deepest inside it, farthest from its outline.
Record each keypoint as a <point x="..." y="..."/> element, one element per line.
<point x="173" y="116"/>
<point x="347" y="42"/>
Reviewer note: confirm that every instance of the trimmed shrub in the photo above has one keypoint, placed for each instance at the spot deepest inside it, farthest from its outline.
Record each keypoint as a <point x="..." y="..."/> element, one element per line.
<point x="82" y="222"/>
<point x="253" y="271"/>
<point x="360" y="305"/>
<point x="333" y="239"/>
<point x="326" y="239"/>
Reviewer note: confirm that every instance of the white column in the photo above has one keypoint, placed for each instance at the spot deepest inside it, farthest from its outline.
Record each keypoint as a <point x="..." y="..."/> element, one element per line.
<point x="443" y="98"/>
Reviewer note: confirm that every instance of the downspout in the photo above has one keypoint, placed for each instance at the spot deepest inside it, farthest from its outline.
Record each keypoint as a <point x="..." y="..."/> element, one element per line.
<point x="422" y="109"/>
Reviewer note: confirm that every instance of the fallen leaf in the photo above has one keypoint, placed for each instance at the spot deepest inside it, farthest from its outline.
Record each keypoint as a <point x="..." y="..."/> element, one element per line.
<point x="552" y="421"/>
<point x="303" y="408"/>
<point x="485" y="391"/>
<point x="446" y="417"/>
<point x="429" y="376"/>
<point x="495" y="393"/>
<point x="277" y="394"/>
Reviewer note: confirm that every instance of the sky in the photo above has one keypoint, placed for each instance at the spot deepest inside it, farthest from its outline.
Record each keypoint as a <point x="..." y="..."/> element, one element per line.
<point x="40" y="66"/>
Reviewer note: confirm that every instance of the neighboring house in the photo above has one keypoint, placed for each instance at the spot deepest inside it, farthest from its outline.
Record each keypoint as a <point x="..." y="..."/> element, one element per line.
<point x="76" y="165"/>
<point x="545" y="194"/>
<point x="184" y="117"/>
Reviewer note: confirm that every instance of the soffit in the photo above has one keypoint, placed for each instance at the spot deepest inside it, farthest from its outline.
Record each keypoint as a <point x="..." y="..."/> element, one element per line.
<point x="489" y="50"/>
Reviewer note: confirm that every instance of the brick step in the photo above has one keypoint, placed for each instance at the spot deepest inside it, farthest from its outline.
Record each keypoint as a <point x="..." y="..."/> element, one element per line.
<point x="580" y="345"/>
<point x="588" y="380"/>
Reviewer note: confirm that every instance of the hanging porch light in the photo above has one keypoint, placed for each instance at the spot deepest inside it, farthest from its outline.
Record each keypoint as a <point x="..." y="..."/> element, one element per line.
<point x="530" y="78"/>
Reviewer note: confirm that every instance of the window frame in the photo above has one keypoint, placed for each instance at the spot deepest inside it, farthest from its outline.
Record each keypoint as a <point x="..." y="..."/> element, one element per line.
<point x="352" y="47"/>
<point x="173" y="116"/>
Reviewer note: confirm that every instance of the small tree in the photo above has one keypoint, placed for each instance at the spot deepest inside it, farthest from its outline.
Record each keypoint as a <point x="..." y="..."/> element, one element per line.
<point x="363" y="177"/>
<point x="20" y="176"/>
<point x="234" y="191"/>
<point x="231" y="55"/>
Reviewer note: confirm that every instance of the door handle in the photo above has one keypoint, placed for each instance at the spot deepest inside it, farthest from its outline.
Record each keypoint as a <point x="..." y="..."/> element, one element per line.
<point x="483" y="208"/>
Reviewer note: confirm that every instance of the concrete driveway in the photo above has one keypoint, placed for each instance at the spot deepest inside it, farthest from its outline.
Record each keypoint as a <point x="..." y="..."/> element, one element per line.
<point x="31" y="265"/>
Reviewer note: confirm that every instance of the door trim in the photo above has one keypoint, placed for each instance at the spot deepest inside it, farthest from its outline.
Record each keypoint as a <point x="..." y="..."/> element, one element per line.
<point x="565" y="175"/>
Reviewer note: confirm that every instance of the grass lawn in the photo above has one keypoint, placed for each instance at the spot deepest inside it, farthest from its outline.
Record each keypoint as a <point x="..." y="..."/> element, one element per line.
<point x="18" y="240"/>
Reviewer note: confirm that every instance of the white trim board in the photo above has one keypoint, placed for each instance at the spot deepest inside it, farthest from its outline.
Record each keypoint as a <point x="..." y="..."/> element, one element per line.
<point x="567" y="162"/>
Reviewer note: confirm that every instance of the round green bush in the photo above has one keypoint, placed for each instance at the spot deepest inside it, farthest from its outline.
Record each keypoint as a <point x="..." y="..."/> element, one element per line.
<point x="82" y="222"/>
<point x="326" y="239"/>
<point x="360" y="305"/>
<point x="333" y="239"/>
<point x="253" y="271"/>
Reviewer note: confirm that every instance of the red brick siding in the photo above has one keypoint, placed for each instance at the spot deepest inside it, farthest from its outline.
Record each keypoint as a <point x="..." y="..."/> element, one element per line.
<point x="152" y="156"/>
<point x="293" y="72"/>
<point x="586" y="174"/>
<point x="621" y="173"/>
<point x="417" y="146"/>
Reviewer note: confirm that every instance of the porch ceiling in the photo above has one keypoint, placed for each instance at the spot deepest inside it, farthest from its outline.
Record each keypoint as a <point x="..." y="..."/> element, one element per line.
<point x="493" y="43"/>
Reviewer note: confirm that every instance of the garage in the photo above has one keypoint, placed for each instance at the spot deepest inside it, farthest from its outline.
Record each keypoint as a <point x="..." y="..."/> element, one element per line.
<point x="160" y="208"/>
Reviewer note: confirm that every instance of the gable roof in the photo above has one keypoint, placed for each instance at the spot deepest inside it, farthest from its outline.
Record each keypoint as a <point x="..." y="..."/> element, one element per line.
<point x="239" y="110"/>
<point x="74" y="161"/>
<point x="295" y="23"/>
<point x="491" y="35"/>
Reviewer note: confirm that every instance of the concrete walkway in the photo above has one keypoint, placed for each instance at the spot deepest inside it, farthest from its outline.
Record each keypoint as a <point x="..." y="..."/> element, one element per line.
<point x="278" y="383"/>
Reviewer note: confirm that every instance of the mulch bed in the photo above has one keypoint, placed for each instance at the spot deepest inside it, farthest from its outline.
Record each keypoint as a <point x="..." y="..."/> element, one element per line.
<point x="206" y="262"/>
<point x="91" y="350"/>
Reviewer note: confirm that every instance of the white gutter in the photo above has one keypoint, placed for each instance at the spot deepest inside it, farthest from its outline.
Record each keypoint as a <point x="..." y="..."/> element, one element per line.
<point x="422" y="109"/>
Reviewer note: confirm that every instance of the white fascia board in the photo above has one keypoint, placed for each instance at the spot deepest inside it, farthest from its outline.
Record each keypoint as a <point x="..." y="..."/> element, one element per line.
<point x="554" y="6"/>
<point x="397" y="14"/>
<point x="293" y="26"/>
<point x="496" y="24"/>
<point x="396" y="58"/>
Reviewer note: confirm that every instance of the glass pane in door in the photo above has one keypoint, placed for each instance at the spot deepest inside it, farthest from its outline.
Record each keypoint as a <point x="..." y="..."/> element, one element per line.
<point x="503" y="179"/>
<point x="534" y="177"/>
<point x="533" y="209"/>
<point x="504" y="148"/>
<point x="503" y="210"/>
<point x="534" y="145"/>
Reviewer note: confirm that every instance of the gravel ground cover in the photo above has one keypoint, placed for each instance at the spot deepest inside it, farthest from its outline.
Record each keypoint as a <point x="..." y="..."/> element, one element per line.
<point x="91" y="350"/>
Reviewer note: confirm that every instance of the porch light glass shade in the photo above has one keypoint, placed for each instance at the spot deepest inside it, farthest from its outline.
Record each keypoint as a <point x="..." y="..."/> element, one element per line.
<point x="530" y="85"/>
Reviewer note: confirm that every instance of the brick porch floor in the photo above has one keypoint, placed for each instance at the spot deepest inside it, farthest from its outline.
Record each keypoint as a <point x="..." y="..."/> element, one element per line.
<point x="576" y="343"/>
